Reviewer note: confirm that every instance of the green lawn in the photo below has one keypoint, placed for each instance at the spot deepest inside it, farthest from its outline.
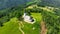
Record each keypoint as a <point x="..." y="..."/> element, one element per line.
<point x="37" y="16"/>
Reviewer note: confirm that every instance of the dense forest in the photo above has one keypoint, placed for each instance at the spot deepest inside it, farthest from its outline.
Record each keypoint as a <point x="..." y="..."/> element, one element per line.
<point x="45" y="12"/>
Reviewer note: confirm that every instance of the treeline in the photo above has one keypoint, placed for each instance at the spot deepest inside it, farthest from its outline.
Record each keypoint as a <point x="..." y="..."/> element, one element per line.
<point x="7" y="14"/>
<point x="52" y="22"/>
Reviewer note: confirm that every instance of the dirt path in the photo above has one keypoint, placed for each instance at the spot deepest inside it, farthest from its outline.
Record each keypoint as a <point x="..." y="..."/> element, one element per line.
<point x="43" y="28"/>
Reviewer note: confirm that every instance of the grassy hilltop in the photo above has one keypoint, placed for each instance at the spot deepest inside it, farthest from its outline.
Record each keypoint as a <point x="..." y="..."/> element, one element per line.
<point x="47" y="20"/>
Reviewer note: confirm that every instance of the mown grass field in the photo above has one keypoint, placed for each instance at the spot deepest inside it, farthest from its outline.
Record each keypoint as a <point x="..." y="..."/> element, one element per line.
<point x="12" y="26"/>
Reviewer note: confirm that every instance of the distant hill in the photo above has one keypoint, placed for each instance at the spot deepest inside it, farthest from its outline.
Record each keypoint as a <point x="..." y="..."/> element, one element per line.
<point x="11" y="3"/>
<point x="54" y="3"/>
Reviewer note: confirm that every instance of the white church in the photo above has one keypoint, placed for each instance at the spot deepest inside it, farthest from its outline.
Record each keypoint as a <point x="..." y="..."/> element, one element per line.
<point x="28" y="18"/>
